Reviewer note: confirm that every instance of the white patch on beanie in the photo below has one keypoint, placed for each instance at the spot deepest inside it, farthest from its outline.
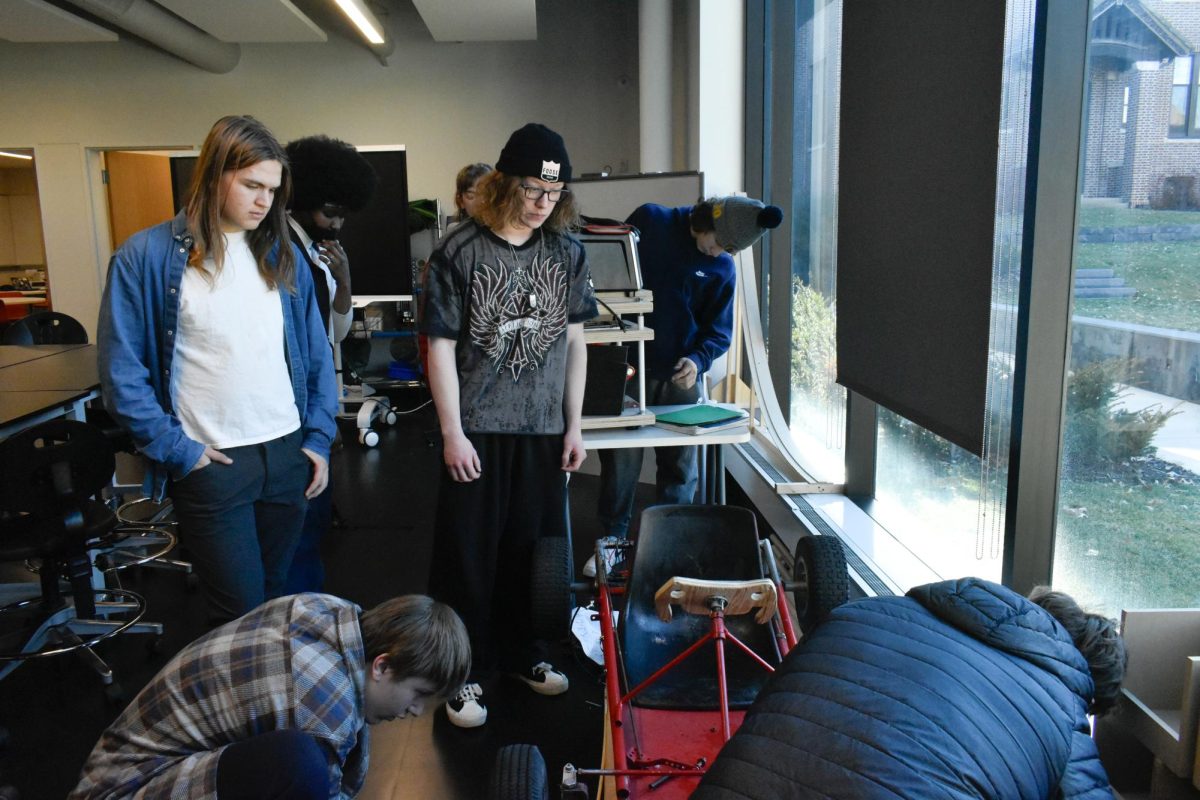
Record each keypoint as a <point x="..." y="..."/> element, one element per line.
<point x="550" y="171"/>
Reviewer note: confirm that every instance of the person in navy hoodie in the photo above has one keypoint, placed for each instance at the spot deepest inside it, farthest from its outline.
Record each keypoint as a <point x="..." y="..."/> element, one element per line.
<point x="961" y="689"/>
<point x="686" y="260"/>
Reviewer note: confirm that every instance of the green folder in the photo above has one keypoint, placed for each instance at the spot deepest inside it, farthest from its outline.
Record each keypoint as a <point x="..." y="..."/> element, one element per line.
<point x="700" y="415"/>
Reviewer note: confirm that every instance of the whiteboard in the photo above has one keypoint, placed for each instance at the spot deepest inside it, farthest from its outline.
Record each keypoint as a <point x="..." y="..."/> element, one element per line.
<point x="616" y="196"/>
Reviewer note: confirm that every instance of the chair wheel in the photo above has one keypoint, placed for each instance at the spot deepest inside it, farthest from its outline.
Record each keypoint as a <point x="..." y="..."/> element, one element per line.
<point x="368" y="437"/>
<point x="114" y="693"/>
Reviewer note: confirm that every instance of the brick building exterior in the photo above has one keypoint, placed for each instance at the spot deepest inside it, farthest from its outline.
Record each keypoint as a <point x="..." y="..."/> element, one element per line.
<point x="1130" y="154"/>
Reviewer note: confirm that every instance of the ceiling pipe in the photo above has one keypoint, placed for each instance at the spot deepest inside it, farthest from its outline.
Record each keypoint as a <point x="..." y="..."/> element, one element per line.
<point x="166" y="31"/>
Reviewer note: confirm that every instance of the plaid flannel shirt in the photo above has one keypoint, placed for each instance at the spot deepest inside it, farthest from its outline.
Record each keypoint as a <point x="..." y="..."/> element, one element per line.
<point x="293" y="663"/>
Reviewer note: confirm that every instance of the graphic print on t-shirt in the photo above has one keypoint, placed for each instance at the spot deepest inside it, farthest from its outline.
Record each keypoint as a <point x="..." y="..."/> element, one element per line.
<point x="518" y="313"/>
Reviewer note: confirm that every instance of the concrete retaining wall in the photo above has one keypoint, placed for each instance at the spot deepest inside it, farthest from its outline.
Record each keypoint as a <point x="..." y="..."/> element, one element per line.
<point x="1141" y="233"/>
<point x="1170" y="359"/>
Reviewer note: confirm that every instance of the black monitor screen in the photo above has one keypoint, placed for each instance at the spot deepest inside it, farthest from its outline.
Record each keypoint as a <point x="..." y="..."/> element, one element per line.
<point x="613" y="262"/>
<point x="375" y="237"/>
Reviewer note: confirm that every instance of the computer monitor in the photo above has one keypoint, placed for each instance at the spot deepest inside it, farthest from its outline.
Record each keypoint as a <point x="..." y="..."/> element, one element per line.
<point x="613" y="260"/>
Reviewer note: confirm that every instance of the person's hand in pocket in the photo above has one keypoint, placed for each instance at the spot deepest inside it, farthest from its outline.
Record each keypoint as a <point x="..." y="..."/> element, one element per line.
<point x="210" y="455"/>
<point x="320" y="478"/>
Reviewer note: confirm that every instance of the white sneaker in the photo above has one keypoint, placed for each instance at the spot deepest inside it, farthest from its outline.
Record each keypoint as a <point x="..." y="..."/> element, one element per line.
<point x="589" y="567"/>
<point x="464" y="709"/>
<point x="545" y="679"/>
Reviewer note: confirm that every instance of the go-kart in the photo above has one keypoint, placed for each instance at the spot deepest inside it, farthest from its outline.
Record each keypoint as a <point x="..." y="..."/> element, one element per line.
<point x="703" y="621"/>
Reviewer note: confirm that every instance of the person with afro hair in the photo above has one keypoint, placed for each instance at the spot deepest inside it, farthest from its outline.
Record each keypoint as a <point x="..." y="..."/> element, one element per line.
<point x="330" y="180"/>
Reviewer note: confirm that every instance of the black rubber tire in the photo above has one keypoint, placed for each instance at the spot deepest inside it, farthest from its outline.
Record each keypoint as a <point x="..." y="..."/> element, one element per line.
<point x="550" y="595"/>
<point x="519" y="774"/>
<point x="821" y="580"/>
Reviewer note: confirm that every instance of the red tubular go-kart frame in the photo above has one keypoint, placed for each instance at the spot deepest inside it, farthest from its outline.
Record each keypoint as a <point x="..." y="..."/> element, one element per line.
<point x="701" y="733"/>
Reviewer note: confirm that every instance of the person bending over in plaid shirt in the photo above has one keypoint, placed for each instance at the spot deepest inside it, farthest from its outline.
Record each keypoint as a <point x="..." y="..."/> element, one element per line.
<point x="275" y="704"/>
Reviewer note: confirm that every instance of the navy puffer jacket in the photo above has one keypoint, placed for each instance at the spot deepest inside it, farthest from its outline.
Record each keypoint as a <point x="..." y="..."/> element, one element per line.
<point x="961" y="689"/>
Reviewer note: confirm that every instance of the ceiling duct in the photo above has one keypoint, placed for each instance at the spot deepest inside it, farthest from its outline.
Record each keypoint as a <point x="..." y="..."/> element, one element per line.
<point x="166" y="31"/>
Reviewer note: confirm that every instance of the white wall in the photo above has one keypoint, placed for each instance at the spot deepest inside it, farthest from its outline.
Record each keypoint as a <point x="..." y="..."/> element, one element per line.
<point x="449" y="104"/>
<point x="720" y="95"/>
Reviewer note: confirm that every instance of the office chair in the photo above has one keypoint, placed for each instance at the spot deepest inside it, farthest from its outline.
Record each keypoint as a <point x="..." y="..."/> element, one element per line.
<point x="48" y="477"/>
<point x="146" y="528"/>
<point x="45" y="327"/>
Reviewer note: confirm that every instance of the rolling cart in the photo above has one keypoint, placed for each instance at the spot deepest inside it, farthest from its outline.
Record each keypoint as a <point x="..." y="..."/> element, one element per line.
<point x="379" y="319"/>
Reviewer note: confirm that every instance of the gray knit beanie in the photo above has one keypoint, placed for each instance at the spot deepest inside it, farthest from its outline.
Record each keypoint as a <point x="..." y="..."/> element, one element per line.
<point x="739" y="221"/>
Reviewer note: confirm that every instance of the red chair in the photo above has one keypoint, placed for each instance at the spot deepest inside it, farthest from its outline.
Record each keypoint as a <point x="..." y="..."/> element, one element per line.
<point x="11" y="312"/>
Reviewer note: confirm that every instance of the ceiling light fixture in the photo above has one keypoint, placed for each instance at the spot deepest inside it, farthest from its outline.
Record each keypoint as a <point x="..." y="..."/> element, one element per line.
<point x="366" y="22"/>
<point x="16" y="155"/>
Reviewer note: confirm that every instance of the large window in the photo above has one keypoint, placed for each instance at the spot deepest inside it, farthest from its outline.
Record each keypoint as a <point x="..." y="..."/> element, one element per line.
<point x="1117" y="524"/>
<point x="941" y="504"/>
<point x="818" y="418"/>
<point x="1128" y="529"/>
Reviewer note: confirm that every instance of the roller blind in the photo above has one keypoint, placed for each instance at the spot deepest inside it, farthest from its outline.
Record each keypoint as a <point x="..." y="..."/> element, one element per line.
<point x="920" y="113"/>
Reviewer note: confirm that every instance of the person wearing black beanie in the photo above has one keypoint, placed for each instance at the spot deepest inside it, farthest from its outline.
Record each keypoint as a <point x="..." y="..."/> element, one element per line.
<point x="685" y="256"/>
<point x="506" y="294"/>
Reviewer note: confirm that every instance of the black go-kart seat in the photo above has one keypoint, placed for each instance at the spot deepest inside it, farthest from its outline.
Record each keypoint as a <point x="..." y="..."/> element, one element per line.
<point x="707" y="543"/>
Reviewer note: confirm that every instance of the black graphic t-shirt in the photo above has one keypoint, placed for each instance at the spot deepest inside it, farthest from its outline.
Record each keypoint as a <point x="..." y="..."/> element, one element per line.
<point x="507" y="308"/>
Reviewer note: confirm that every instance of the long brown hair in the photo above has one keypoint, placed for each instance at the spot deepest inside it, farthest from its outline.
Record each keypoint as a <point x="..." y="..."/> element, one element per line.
<point x="236" y="143"/>
<point x="503" y="202"/>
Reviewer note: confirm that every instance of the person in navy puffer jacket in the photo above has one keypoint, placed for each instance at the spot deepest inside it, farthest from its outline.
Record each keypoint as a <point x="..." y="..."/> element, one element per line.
<point x="961" y="689"/>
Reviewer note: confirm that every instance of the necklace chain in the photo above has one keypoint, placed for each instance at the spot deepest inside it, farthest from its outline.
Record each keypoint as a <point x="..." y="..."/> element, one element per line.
<point x="519" y="275"/>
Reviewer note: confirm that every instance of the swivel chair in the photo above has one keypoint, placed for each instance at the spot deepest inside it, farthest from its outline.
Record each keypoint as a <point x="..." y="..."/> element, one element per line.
<point x="48" y="476"/>
<point x="46" y="327"/>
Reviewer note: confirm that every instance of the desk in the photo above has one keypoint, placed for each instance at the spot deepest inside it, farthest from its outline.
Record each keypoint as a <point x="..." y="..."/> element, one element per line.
<point x="712" y="463"/>
<point x="44" y="382"/>
<point x="20" y="353"/>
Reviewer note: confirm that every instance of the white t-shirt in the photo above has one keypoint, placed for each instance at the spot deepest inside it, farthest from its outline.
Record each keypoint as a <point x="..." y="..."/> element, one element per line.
<point x="231" y="384"/>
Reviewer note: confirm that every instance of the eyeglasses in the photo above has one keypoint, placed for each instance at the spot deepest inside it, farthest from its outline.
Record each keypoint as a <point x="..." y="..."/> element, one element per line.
<point x="469" y="194"/>
<point x="536" y="193"/>
<point x="332" y="210"/>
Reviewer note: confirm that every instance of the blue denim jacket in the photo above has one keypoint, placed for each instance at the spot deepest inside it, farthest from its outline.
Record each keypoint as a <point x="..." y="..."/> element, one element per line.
<point x="138" y="319"/>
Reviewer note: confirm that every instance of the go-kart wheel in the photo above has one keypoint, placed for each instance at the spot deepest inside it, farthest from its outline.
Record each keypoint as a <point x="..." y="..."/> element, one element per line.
<point x="551" y="596"/>
<point x="519" y="774"/>
<point x="390" y="417"/>
<point x="368" y="437"/>
<point x="820" y="577"/>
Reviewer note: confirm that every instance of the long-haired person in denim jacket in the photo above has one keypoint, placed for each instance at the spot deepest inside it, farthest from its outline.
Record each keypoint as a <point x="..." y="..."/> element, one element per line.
<point x="214" y="359"/>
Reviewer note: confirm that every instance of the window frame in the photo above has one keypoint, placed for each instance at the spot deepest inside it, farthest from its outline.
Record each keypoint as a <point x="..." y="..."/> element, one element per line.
<point x="1191" y="109"/>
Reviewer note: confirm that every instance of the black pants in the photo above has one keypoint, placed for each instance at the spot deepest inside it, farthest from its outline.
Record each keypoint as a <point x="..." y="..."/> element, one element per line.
<point x="240" y="522"/>
<point x="483" y="545"/>
<point x="279" y="765"/>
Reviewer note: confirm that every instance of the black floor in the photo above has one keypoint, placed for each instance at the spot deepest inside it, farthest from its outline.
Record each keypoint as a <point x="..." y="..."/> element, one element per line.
<point x="55" y="709"/>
